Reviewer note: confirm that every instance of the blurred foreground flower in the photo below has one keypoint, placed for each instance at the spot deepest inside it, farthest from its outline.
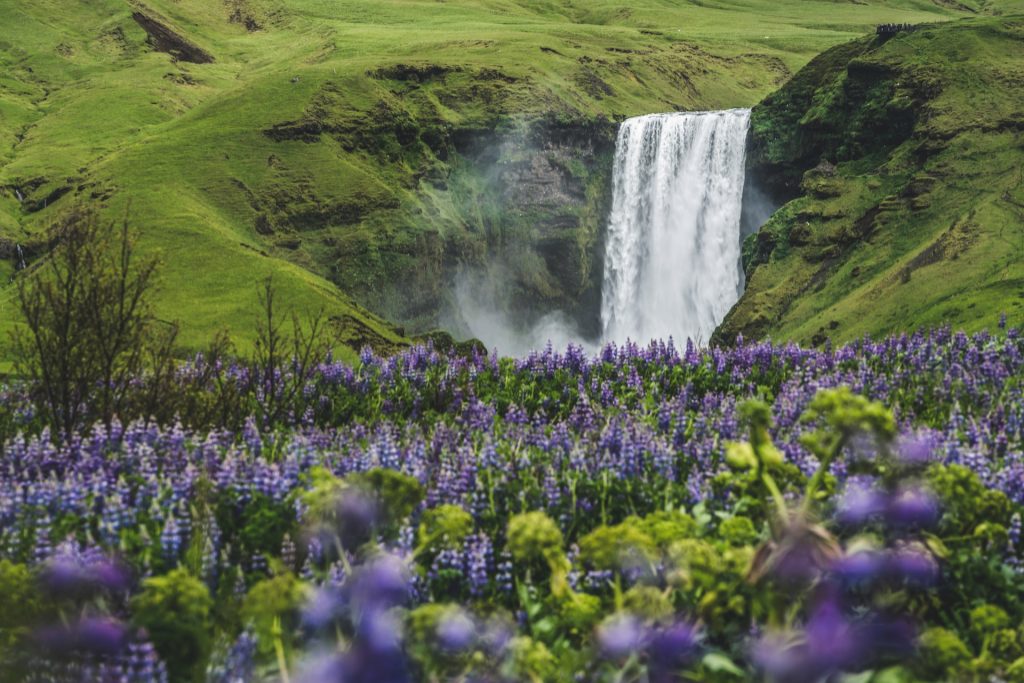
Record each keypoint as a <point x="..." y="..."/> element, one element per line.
<point x="89" y="635"/>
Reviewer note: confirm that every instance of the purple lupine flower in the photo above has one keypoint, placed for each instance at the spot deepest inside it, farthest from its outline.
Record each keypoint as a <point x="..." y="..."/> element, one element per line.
<point x="143" y="665"/>
<point x="288" y="552"/>
<point x="74" y="575"/>
<point x="860" y="566"/>
<point x="478" y="560"/>
<point x="916" y="449"/>
<point x="835" y="641"/>
<point x="620" y="636"/>
<point x="323" y="608"/>
<point x="95" y="635"/>
<point x="357" y="515"/>
<point x="456" y="631"/>
<point x="912" y="507"/>
<point x="914" y="563"/>
<point x="672" y="648"/>
<point x="171" y="539"/>
<point x="380" y="584"/>
<point x="321" y="667"/>
<point x="1015" y="530"/>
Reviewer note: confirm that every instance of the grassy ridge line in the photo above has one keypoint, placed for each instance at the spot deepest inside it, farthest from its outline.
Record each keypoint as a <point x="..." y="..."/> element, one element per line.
<point x="91" y="111"/>
<point x="916" y="218"/>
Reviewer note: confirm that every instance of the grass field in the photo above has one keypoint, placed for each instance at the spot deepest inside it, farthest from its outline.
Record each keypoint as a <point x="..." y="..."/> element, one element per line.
<point x="90" y="112"/>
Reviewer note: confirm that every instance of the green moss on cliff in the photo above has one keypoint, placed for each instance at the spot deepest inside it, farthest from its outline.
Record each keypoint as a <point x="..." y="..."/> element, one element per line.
<point x="903" y="160"/>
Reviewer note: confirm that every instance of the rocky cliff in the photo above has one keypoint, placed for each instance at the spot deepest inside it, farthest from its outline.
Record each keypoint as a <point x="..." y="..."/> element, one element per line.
<point x="898" y="163"/>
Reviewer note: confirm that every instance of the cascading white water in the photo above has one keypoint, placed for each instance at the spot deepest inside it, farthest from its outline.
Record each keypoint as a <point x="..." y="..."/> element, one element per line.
<point x="672" y="255"/>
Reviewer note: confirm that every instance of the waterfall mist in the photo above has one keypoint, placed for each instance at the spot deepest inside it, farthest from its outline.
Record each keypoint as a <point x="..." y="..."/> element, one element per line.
<point x="673" y="246"/>
<point x="483" y="311"/>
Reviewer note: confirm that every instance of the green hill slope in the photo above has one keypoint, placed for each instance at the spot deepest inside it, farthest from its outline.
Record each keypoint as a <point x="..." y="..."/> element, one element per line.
<point x="365" y="150"/>
<point x="905" y="157"/>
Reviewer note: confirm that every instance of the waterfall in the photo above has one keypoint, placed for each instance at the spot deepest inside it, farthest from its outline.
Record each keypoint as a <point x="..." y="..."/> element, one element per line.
<point x="672" y="253"/>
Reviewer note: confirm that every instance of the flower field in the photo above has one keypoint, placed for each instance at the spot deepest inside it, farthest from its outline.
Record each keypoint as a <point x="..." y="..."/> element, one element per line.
<point x="647" y="514"/>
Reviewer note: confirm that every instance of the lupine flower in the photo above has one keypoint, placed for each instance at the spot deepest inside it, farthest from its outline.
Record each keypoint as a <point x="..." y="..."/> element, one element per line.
<point x="860" y="566"/>
<point x="620" y="636"/>
<point x="356" y="515"/>
<point x="72" y="574"/>
<point x="915" y="564"/>
<point x="456" y="631"/>
<point x="240" y="663"/>
<point x="830" y="643"/>
<point x="321" y="667"/>
<point x="324" y="606"/>
<point x="860" y="502"/>
<point x="801" y="554"/>
<point x="916" y="449"/>
<point x="672" y="648"/>
<point x="912" y="507"/>
<point x="102" y="636"/>
<point x="380" y="584"/>
<point x="435" y="423"/>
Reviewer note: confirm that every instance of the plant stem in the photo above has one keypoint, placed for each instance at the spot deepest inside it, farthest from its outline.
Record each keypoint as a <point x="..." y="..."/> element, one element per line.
<point x="282" y="662"/>
<point x="819" y="474"/>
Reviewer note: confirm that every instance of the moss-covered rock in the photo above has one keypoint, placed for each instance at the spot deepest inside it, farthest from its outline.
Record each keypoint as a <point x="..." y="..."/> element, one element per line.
<point x="897" y="186"/>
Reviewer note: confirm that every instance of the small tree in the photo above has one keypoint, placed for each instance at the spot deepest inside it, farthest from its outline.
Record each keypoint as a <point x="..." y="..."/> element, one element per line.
<point x="284" y="360"/>
<point x="89" y="329"/>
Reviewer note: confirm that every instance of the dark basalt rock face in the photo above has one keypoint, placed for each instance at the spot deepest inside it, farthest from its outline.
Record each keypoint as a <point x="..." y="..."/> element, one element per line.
<point x="164" y="39"/>
<point x="521" y="202"/>
<point x="549" y="183"/>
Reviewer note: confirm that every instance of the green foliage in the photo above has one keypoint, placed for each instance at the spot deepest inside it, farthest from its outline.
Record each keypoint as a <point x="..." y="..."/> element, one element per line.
<point x="740" y="456"/>
<point x="943" y="656"/>
<point x="1003" y="645"/>
<point x="663" y="527"/>
<point x="424" y="647"/>
<point x="175" y="611"/>
<point x="445" y="526"/>
<point x="967" y="503"/>
<point x="399" y="494"/>
<point x="20" y="607"/>
<point x="534" y="536"/>
<point x="648" y="602"/>
<point x="266" y="524"/>
<point x="321" y="498"/>
<point x="847" y="413"/>
<point x="712" y="584"/>
<point x="612" y="548"/>
<point x="738" y="531"/>
<point x="530" y="661"/>
<point x="271" y="608"/>
<point x="1015" y="672"/>
<point x="579" y="613"/>
<point x="985" y="621"/>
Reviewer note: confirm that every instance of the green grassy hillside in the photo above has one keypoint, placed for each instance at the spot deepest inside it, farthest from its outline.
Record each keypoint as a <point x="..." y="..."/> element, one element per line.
<point x="342" y="145"/>
<point x="906" y="159"/>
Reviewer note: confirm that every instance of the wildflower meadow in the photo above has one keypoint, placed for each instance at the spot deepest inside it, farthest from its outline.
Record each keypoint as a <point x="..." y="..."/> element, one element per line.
<point x="654" y="513"/>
